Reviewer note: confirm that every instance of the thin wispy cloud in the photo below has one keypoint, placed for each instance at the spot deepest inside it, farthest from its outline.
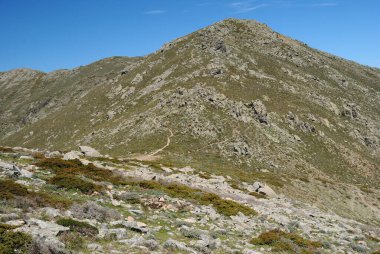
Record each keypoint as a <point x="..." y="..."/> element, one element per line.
<point x="247" y="6"/>
<point x="293" y="4"/>
<point x="324" y="5"/>
<point x="155" y="12"/>
<point x="251" y="5"/>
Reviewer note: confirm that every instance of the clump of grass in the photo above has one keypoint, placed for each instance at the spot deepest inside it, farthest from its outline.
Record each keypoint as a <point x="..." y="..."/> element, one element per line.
<point x="55" y="164"/>
<point x="304" y="179"/>
<point x="14" y="242"/>
<point x="75" y="167"/>
<point x="9" y="189"/>
<point x="72" y="240"/>
<point x="6" y="149"/>
<point x="82" y="228"/>
<point x="70" y="182"/>
<point x="38" y="155"/>
<point x="23" y="198"/>
<point x="225" y="207"/>
<point x="129" y="197"/>
<point x="205" y="175"/>
<point x="258" y="195"/>
<point x="235" y="185"/>
<point x="283" y="241"/>
<point x="366" y="189"/>
<point x="106" y="159"/>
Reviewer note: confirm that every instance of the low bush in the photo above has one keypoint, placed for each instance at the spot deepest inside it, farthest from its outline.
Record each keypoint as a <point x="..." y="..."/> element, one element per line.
<point x="73" y="241"/>
<point x="13" y="242"/>
<point x="225" y="207"/>
<point x="6" y="149"/>
<point x="70" y="182"/>
<point x="283" y="241"/>
<point x="130" y="197"/>
<point x="75" y="167"/>
<point x="38" y="155"/>
<point x="21" y="197"/>
<point x="55" y="164"/>
<point x="82" y="228"/>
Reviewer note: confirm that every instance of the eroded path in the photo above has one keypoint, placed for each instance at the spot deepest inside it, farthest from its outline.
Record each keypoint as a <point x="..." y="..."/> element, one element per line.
<point x="154" y="155"/>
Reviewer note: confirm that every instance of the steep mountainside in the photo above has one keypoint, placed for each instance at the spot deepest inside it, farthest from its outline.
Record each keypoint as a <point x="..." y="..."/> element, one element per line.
<point x="234" y="99"/>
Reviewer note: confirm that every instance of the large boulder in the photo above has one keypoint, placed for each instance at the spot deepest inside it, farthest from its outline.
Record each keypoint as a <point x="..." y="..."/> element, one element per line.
<point x="72" y="155"/>
<point x="259" y="110"/>
<point x="89" y="151"/>
<point x="262" y="189"/>
<point x="42" y="228"/>
<point x="13" y="171"/>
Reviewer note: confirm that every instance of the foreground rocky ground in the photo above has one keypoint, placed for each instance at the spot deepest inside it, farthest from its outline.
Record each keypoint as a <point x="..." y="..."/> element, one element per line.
<point x="82" y="202"/>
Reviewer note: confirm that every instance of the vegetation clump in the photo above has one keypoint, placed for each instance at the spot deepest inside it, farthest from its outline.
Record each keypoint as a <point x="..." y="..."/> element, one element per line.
<point x="225" y="207"/>
<point x="258" y="195"/>
<point x="14" y="242"/>
<point x="23" y="198"/>
<point x="6" y="149"/>
<point x="80" y="227"/>
<point x="70" y="182"/>
<point x="283" y="241"/>
<point x="75" y="167"/>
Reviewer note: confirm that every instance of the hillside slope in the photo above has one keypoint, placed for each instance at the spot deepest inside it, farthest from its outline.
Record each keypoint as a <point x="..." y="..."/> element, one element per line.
<point x="234" y="98"/>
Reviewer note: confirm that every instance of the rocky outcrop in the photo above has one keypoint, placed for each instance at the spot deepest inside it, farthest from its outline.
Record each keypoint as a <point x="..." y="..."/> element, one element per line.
<point x="89" y="151"/>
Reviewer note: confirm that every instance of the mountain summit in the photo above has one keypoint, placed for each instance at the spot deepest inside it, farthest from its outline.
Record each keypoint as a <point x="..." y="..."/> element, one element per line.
<point x="235" y="99"/>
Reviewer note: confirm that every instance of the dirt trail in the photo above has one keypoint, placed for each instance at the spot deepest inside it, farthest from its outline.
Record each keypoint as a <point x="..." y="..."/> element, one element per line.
<point x="153" y="155"/>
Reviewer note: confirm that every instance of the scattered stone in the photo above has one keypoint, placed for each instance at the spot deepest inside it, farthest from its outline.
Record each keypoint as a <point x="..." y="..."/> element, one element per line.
<point x="15" y="223"/>
<point x="42" y="228"/>
<point x="350" y="110"/>
<point x="259" y="111"/>
<point x="13" y="171"/>
<point x="113" y="233"/>
<point x="176" y="245"/>
<point x="136" y="226"/>
<point x="95" y="247"/>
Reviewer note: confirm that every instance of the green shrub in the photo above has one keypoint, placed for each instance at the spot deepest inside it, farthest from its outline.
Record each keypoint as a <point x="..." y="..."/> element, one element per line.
<point x="72" y="240"/>
<point x="75" y="167"/>
<point x="57" y="163"/>
<point x="82" y="228"/>
<point x="9" y="189"/>
<point x="283" y="241"/>
<point x="70" y="182"/>
<point x="38" y="155"/>
<point x="13" y="242"/>
<point x="225" y="207"/>
<point x="23" y="198"/>
<point x="6" y="149"/>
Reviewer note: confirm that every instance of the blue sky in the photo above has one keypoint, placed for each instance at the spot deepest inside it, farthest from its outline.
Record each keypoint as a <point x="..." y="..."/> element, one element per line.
<point x="56" y="34"/>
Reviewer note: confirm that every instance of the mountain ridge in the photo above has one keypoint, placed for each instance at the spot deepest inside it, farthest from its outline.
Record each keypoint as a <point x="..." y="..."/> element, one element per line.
<point x="241" y="100"/>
